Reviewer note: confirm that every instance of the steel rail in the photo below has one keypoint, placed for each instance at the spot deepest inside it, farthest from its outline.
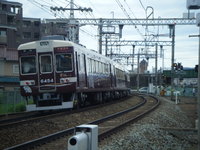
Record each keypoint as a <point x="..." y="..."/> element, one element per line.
<point x="14" y="121"/>
<point x="117" y="128"/>
<point x="45" y="139"/>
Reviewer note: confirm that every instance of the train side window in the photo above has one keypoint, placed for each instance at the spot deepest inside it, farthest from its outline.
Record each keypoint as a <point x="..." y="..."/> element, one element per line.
<point x="28" y="65"/>
<point x="103" y="68"/>
<point x="97" y="66"/>
<point x="100" y="67"/>
<point x="79" y="62"/>
<point x="83" y="62"/>
<point x="88" y="62"/>
<point x="46" y="64"/>
<point x="90" y="65"/>
<point x="106" y="68"/>
<point x="94" y="66"/>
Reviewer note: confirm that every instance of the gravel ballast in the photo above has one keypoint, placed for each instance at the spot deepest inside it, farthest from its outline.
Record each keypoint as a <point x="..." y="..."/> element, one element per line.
<point x="147" y="135"/>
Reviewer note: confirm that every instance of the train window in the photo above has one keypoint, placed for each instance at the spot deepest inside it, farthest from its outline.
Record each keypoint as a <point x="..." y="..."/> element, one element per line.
<point x="46" y="65"/>
<point x="120" y="74"/>
<point x="97" y="67"/>
<point x="106" y="68"/>
<point x="82" y="62"/>
<point x="64" y="62"/>
<point x="94" y="66"/>
<point x="28" y="65"/>
<point x="79" y="62"/>
<point x="90" y="65"/>
<point x="103" y="68"/>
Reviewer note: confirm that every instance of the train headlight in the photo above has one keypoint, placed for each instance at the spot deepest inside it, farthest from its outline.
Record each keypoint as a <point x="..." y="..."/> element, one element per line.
<point x="64" y="80"/>
<point x="41" y="81"/>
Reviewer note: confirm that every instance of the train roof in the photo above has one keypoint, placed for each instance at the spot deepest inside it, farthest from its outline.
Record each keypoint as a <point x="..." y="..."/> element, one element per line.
<point x="44" y="44"/>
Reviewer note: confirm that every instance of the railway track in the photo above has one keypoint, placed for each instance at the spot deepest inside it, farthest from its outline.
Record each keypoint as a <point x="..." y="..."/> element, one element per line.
<point x="22" y="118"/>
<point x="109" y="127"/>
<point x="105" y="128"/>
<point x="14" y="119"/>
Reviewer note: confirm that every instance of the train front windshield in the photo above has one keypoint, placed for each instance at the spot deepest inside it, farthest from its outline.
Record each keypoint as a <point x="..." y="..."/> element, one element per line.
<point x="28" y="65"/>
<point x="64" y="62"/>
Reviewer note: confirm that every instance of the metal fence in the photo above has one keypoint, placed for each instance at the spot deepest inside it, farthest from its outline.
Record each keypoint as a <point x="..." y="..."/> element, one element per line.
<point x="186" y="91"/>
<point x="11" y="101"/>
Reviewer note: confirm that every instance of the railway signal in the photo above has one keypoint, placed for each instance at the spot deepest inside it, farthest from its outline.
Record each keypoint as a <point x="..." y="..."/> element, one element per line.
<point x="196" y="68"/>
<point x="178" y="66"/>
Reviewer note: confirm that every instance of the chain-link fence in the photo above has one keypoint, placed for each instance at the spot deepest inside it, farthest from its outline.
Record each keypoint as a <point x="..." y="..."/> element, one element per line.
<point x="11" y="101"/>
<point x="183" y="91"/>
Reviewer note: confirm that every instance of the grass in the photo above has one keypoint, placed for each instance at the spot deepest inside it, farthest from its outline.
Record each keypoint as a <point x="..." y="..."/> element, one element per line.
<point x="11" y="108"/>
<point x="12" y="101"/>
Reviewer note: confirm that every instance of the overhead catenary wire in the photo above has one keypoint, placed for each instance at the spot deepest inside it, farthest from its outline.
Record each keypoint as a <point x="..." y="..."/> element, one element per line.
<point x="127" y="15"/>
<point x="41" y="6"/>
<point x="142" y="5"/>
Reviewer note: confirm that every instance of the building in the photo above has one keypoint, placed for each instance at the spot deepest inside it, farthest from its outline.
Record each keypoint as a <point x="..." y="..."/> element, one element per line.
<point x="30" y="31"/>
<point x="10" y="23"/>
<point x="63" y="27"/>
<point x="15" y="30"/>
<point x="10" y="28"/>
<point x="143" y="66"/>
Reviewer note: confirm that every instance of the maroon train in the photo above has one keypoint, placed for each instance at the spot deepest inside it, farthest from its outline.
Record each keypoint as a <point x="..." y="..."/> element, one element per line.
<point x="61" y="74"/>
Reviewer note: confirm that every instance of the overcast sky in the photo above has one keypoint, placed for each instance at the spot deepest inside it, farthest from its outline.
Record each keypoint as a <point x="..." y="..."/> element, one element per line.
<point x="186" y="49"/>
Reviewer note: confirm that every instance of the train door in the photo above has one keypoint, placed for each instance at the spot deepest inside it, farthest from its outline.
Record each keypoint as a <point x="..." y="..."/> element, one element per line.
<point x="111" y="75"/>
<point x="115" y="77"/>
<point x="85" y="70"/>
<point x="81" y="73"/>
<point x="77" y="69"/>
<point x="46" y="72"/>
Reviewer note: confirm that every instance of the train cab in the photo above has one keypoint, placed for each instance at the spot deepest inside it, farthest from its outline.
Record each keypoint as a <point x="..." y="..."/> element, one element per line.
<point x="47" y="72"/>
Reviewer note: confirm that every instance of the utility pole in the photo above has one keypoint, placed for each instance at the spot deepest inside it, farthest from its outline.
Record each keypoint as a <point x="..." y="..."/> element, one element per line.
<point x="72" y="27"/>
<point x="198" y="92"/>
<point x="156" y="67"/>
<point x="138" y="71"/>
<point x="133" y="58"/>
<point x="163" y="57"/>
<point x="100" y="35"/>
<point x="72" y="9"/>
<point x="106" y="46"/>
<point x="172" y="35"/>
<point x="192" y="5"/>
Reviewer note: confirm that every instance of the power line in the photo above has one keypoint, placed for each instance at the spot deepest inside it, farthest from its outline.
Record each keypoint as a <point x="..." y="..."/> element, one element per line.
<point x="87" y="32"/>
<point x="41" y="6"/>
<point x="127" y="15"/>
<point x="142" y="5"/>
<point x="130" y="9"/>
<point x="134" y="15"/>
